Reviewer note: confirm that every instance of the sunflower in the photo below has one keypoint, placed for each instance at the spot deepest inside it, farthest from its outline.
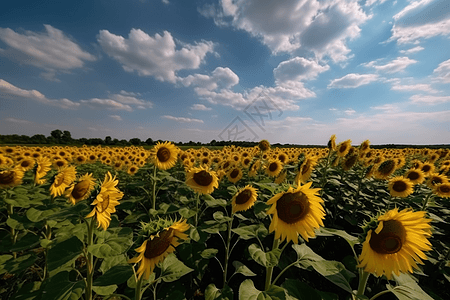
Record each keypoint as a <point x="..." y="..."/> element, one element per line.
<point x="27" y="163"/>
<point x="244" y="199"/>
<point x="427" y="168"/>
<point x="349" y="162"/>
<point x="62" y="180"/>
<point x="343" y="148"/>
<point x="274" y="167"/>
<point x="442" y="190"/>
<point x="435" y="179"/>
<point x="415" y="175"/>
<point x="365" y="146"/>
<point x="264" y="145"/>
<point x="106" y="201"/>
<point x="12" y="177"/>
<point x="297" y="211"/>
<point x="202" y="180"/>
<point x="165" y="155"/>
<point x="385" y="169"/>
<point x="43" y="166"/>
<point x="397" y="243"/>
<point x="80" y="159"/>
<point x="5" y="161"/>
<point x="305" y="170"/>
<point x="234" y="175"/>
<point x="158" y="247"/>
<point x="281" y="177"/>
<point x="132" y="170"/>
<point x="400" y="187"/>
<point x="81" y="190"/>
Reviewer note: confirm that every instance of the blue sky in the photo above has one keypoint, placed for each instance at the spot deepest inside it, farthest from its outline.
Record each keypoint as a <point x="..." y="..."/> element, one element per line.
<point x="286" y="71"/>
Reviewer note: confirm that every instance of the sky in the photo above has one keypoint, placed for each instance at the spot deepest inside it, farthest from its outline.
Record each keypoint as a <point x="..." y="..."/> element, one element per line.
<point x="287" y="71"/>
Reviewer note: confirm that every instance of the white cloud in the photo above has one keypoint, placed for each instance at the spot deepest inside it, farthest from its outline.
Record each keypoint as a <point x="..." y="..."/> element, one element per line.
<point x="116" y="117"/>
<point x="106" y="104"/>
<point x="18" y="121"/>
<point x="397" y="65"/>
<point x="51" y="50"/>
<point x="288" y="25"/>
<point x="131" y="99"/>
<point x="153" y="56"/>
<point x="221" y="78"/>
<point x="411" y="7"/>
<point x="10" y="91"/>
<point x="181" y="119"/>
<point x="298" y="68"/>
<point x="429" y="99"/>
<point x="200" y="107"/>
<point x="353" y="80"/>
<point x="386" y="107"/>
<point x="372" y="2"/>
<point x="349" y="112"/>
<point x="411" y="34"/>
<point x="412" y="50"/>
<point x="413" y="87"/>
<point x="442" y="72"/>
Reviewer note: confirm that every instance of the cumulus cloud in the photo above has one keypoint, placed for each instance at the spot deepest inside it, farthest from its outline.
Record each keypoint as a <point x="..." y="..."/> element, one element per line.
<point x="298" y="68"/>
<point x="349" y="112"/>
<point x="353" y="80"/>
<point x="200" y="107"/>
<point x="181" y="119"/>
<point x="52" y="50"/>
<point x="397" y="65"/>
<point x="116" y="117"/>
<point x="288" y="25"/>
<point x="429" y="99"/>
<point x="109" y="104"/>
<point x="221" y="78"/>
<point x="413" y="87"/>
<point x="442" y="72"/>
<point x="131" y="99"/>
<point x="156" y="56"/>
<point x="412" y="50"/>
<point x="10" y="91"/>
<point x="18" y="121"/>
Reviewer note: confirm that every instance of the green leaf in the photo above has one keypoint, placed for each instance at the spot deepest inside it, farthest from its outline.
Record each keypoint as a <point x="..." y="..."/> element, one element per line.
<point x="28" y="291"/>
<point x="242" y="269"/>
<point x="213" y="202"/>
<point x="186" y="212"/>
<point x="334" y="271"/>
<point x="213" y="293"/>
<point x="115" y="275"/>
<point x="302" y="291"/>
<point x="105" y="290"/>
<point x="247" y="291"/>
<point x="112" y="242"/>
<point x="36" y="215"/>
<point x="194" y="235"/>
<point x="15" y="266"/>
<point x="26" y="242"/>
<point x="64" y="253"/>
<point x="407" y="288"/>
<point x="352" y="240"/>
<point x="265" y="259"/>
<point x="251" y="231"/>
<point x="110" y="262"/>
<point x="209" y="253"/>
<point x="61" y="288"/>
<point x="173" y="269"/>
<point x="215" y="229"/>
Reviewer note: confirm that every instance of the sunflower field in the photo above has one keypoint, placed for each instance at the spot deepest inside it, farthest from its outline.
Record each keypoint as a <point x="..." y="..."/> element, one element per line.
<point x="340" y="222"/>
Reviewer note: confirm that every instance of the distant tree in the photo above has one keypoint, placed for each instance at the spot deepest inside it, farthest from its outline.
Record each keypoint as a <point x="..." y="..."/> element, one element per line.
<point x="83" y="141"/>
<point x="66" y="137"/>
<point x="149" y="142"/>
<point x="123" y="142"/>
<point x="51" y="140"/>
<point x="38" y="139"/>
<point x="95" y="141"/>
<point x="56" y="134"/>
<point x="213" y="143"/>
<point x="115" y="142"/>
<point x="135" y="141"/>
<point x="108" y="140"/>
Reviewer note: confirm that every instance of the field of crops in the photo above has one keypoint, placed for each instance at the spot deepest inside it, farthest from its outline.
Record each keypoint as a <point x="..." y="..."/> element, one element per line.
<point x="341" y="222"/>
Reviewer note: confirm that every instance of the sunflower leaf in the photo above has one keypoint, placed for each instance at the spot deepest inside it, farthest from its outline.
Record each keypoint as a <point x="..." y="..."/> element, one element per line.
<point x="242" y="269"/>
<point x="407" y="288"/>
<point x="265" y="259"/>
<point x="172" y="269"/>
<point x="247" y="291"/>
<point x="302" y="291"/>
<point x="61" y="288"/>
<point x="64" y="253"/>
<point x="352" y="240"/>
<point x="251" y="231"/>
<point x="209" y="253"/>
<point x="213" y="293"/>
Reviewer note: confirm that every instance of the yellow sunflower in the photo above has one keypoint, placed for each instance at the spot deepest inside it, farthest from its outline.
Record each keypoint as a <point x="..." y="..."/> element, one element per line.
<point x="12" y="177"/>
<point x="435" y="179"/>
<point x="274" y="167"/>
<point x="264" y="145"/>
<point x="158" y="247"/>
<point x="343" y="148"/>
<point x="62" y="180"/>
<point x="332" y="143"/>
<point x="202" y="180"/>
<point x="165" y="155"/>
<point x="365" y="146"/>
<point x="281" y="177"/>
<point x="305" y="170"/>
<point x="234" y="175"/>
<point x="397" y="243"/>
<point x="400" y="187"/>
<point x="244" y="199"/>
<point x="427" y="168"/>
<point x="106" y="201"/>
<point x="297" y="211"/>
<point x="442" y="190"/>
<point x="81" y="190"/>
<point x="415" y="175"/>
<point x="349" y="162"/>
<point x="385" y="169"/>
<point x="27" y="163"/>
<point x="43" y="166"/>
<point x="132" y="169"/>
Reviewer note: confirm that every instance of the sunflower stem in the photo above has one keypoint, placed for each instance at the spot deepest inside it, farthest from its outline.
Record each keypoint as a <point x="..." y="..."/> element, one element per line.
<point x="360" y="177"/>
<point x="269" y="270"/>
<point x="154" y="188"/>
<point x="379" y="294"/>
<point x="425" y="202"/>
<point x="10" y="211"/>
<point x="90" y="260"/>
<point x="325" y="170"/>
<point x="227" y="251"/>
<point x="138" y="292"/>
<point x="363" y="277"/>
<point x="197" y="200"/>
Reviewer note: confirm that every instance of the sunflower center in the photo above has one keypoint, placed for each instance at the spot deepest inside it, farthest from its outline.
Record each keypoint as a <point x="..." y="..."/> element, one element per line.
<point x="159" y="244"/>
<point x="426" y="168"/>
<point x="399" y="186"/>
<point x="305" y="168"/>
<point x="234" y="173"/>
<point x="343" y="148"/>
<point x="386" y="167"/>
<point x="80" y="189"/>
<point x="413" y="176"/>
<point x="7" y="177"/>
<point x="163" y="154"/>
<point x="243" y="197"/>
<point x="436" y="180"/>
<point x="104" y="204"/>
<point x="444" y="189"/>
<point x="60" y="163"/>
<point x="273" y="167"/>
<point x="25" y="163"/>
<point x="292" y="207"/>
<point x="390" y="239"/>
<point x="203" y="178"/>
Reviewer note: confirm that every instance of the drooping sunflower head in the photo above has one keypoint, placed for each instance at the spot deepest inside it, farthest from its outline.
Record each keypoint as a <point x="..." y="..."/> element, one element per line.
<point x="156" y="248"/>
<point x="80" y="190"/>
<point x="343" y="148"/>
<point x="397" y="244"/>
<point x="202" y="180"/>
<point x="43" y="165"/>
<point x="297" y="211"/>
<point x="332" y="143"/>
<point x="65" y="176"/>
<point x="385" y="169"/>
<point x="281" y="177"/>
<point x="164" y="155"/>
<point x="442" y="190"/>
<point x="264" y="145"/>
<point x="244" y="199"/>
<point x="305" y="170"/>
<point x="365" y="146"/>
<point x="11" y="177"/>
<point x="400" y="187"/>
<point x="349" y="162"/>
